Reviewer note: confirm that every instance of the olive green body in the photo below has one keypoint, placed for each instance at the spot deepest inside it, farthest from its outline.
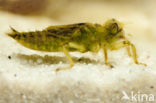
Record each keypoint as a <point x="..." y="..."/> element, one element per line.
<point x="81" y="37"/>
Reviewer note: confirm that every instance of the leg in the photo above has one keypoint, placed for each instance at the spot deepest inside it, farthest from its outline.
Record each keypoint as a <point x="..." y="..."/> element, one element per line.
<point x="135" y="55"/>
<point x="69" y="59"/>
<point x="128" y="51"/>
<point x="121" y="45"/>
<point x="106" y="57"/>
<point x="128" y="45"/>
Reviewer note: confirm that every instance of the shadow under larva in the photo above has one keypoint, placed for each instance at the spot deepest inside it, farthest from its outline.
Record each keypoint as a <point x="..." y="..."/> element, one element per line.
<point x="48" y="60"/>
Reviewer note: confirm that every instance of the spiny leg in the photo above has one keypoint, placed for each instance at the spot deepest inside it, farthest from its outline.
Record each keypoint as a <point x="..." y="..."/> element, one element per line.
<point x="106" y="56"/>
<point x="69" y="59"/>
<point x="128" y="45"/>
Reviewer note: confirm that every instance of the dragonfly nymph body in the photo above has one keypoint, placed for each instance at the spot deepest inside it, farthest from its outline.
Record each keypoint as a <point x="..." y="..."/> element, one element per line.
<point x="82" y="37"/>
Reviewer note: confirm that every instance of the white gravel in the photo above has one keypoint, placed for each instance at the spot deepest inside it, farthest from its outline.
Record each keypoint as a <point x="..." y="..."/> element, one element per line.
<point x="28" y="78"/>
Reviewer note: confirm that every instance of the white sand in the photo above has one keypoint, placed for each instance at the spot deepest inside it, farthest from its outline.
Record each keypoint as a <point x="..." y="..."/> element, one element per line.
<point x="28" y="78"/>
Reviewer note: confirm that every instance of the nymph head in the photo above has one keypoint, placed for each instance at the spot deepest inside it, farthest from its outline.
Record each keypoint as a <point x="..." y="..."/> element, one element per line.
<point x="113" y="28"/>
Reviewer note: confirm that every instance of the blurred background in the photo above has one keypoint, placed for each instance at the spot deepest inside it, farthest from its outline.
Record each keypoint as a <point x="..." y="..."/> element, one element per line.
<point x="83" y="10"/>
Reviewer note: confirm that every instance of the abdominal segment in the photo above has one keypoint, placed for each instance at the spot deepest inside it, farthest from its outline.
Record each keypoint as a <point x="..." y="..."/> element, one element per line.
<point x="39" y="41"/>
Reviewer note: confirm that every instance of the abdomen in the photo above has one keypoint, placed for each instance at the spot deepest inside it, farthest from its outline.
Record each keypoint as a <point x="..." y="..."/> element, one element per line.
<point x="38" y="41"/>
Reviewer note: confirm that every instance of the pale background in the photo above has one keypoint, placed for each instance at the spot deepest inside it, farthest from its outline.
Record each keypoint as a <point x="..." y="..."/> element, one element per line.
<point x="29" y="76"/>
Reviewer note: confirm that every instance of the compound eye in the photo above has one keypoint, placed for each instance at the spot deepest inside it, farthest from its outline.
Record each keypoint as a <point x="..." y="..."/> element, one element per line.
<point x="114" y="28"/>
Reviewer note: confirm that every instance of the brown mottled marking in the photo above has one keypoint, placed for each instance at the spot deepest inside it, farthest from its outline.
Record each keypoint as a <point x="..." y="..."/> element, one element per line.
<point x="82" y="37"/>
